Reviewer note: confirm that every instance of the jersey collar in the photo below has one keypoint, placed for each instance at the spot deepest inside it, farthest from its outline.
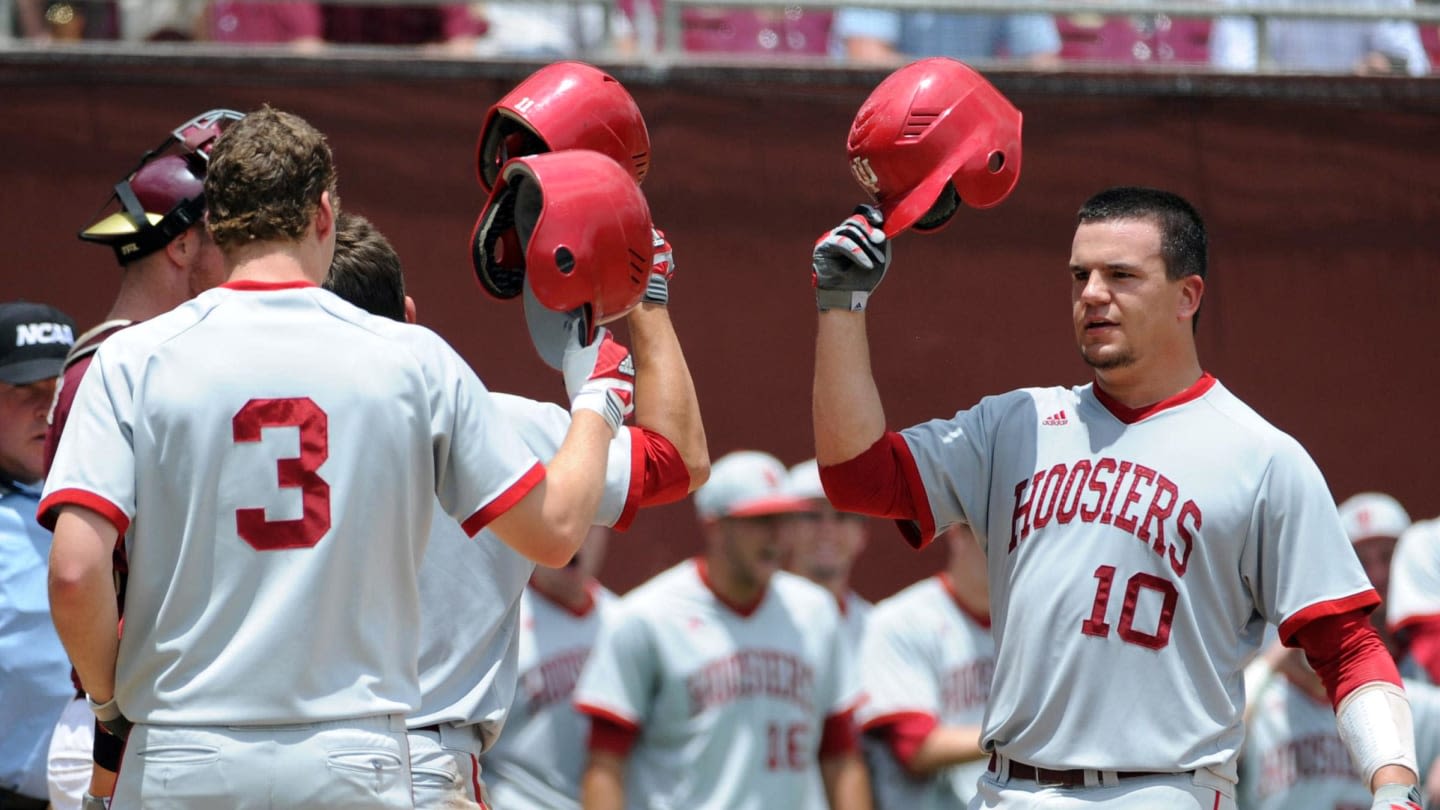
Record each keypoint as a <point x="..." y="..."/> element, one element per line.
<point x="743" y="611"/>
<point x="1132" y="415"/>
<point x="983" y="621"/>
<point x="261" y="286"/>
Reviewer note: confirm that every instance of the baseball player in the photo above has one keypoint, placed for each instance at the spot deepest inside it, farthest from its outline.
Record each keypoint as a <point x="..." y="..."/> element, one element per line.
<point x="824" y="543"/>
<point x="1140" y="530"/>
<point x="471" y="636"/>
<point x="925" y="665"/>
<point x="268" y="655"/>
<point x="724" y="682"/>
<point x="538" y="762"/>
<point x="166" y="257"/>
<point x="1293" y="757"/>
<point x="1414" y="600"/>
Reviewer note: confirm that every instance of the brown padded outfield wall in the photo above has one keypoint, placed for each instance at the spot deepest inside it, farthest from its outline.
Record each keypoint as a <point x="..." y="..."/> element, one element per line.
<point x="1322" y="198"/>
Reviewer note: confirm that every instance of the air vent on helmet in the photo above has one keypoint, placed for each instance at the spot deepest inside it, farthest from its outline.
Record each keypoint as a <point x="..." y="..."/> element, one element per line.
<point x="641" y="160"/>
<point x="917" y="123"/>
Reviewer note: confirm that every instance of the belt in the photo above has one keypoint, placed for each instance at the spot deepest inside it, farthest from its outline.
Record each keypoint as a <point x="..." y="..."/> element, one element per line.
<point x="1074" y="777"/>
<point x="10" y="800"/>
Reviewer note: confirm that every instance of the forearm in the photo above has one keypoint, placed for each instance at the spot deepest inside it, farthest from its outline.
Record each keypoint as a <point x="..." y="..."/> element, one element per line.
<point x="548" y="525"/>
<point x="665" y="400"/>
<point x="848" y="415"/>
<point x="946" y="746"/>
<point x="602" y="786"/>
<point x="847" y="783"/>
<point x="82" y="597"/>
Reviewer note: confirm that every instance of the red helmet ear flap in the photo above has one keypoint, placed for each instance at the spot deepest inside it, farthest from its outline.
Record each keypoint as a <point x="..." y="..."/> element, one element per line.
<point x="934" y="124"/>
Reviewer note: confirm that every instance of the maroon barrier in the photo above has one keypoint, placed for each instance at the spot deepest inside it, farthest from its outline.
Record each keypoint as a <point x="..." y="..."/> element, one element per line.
<point x="1322" y="198"/>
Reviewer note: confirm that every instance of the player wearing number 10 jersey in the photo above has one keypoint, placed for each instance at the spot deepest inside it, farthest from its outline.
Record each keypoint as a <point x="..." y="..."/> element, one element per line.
<point x="278" y="453"/>
<point x="1140" y="532"/>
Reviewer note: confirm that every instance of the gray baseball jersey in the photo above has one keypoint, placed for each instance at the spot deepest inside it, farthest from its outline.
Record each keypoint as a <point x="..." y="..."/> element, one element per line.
<point x="1294" y="758"/>
<point x="1138" y="554"/>
<point x="854" y="613"/>
<point x="730" y="706"/>
<point x="470" y="589"/>
<point x="924" y="654"/>
<point x="280" y="453"/>
<point x="538" y="763"/>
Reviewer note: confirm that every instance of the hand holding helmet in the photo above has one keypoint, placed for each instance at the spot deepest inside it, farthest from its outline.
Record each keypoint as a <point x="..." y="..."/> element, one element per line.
<point x="850" y="260"/>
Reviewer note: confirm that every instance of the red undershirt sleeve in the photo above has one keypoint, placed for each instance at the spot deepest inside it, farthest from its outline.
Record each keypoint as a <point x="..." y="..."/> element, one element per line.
<point x="612" y="737"/>
<point x="904" y="734"/>
<point x="839" y="735"/>
<point x="1346" y="652"/>
<point x="667" y="479"/>
<point x="883" y="481"/>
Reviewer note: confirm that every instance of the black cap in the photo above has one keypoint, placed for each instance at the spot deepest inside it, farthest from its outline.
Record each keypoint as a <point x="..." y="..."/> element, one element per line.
<point x="34" y="339"/>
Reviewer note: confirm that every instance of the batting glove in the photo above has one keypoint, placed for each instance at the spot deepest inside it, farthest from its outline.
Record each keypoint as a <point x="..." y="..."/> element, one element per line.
<point x="110" y="717"/>
<point x="850" y="260"/>
<point x="1396" y="797"/>
<point x="662" y="269"/>
<point x="600" y="378"/>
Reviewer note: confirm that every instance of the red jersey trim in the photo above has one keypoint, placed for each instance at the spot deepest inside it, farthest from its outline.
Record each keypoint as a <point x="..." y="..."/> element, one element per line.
<point x="580" y="612"/>
<point x="1411" y="622"/>
<point x="1132" y="415"/>
<point x="505" y="500"/>
<point x="744" y="611"/>
<point x="602" y="713"/>
<point x="944" y="577"/>
<point x="920" y="531"/>
<point x="262" y="286"/>
<point x="896" y="718"/>
<point x="637" y="481"/>
<point x="838" y="737"/>
<point x="49" y="509"/>
<point x="1365" y="601"/>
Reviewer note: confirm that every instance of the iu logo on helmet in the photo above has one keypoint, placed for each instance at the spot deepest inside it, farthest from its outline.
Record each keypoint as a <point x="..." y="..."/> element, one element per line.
<point x="864" y="175"/>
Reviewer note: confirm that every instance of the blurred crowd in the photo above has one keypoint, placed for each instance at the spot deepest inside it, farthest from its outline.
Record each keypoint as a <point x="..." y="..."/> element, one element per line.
<point x="549" y="29"/>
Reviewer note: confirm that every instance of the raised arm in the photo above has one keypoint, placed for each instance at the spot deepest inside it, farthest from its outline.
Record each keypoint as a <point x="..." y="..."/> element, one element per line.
<point x="849" y="262"/>
<point x="550" y="522"/>
<point x="665" y="399"/>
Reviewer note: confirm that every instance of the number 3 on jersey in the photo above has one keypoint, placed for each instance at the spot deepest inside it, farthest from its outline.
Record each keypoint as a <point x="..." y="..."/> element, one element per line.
<point x="296" y="472"/>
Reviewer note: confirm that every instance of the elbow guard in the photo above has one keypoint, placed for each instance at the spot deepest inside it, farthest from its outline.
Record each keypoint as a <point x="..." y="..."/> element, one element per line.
<point x="1375" y="723"/>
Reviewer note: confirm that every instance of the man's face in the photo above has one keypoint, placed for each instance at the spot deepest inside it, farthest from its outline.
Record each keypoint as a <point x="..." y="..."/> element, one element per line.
<point x="754" y="547"/>
<point x="823" y="543"/>
<point x="1124" y="308"/>
<point x="23" y="409"/>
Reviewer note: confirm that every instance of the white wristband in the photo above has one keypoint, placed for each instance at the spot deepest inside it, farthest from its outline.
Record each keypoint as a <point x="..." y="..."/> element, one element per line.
<point x="1375" y="723"/>
<point x="103" y="711"/>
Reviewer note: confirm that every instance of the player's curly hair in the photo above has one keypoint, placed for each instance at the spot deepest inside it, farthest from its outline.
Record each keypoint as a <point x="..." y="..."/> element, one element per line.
<point x="1183" y="244"/>
<point x="265" y="179"/>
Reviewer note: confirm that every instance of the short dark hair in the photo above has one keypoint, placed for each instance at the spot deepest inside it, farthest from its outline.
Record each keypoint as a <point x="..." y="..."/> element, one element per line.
<point x="366" y="269"/>
<point x="1183" y="244"/>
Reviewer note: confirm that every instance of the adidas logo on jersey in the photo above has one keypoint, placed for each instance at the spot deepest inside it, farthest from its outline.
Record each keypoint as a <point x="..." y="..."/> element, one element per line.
<point x="1057" y="418"/>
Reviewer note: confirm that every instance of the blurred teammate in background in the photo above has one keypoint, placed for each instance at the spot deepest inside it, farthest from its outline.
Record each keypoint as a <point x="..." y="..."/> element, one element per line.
<point x="824" y="543"/>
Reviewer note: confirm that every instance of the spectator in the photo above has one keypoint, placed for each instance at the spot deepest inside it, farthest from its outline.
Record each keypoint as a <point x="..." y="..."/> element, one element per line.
<point x="1322" y="46"/>
<point x="34" y="672"/>
<point x="240" y="22"/>
<point x="880" y="36"/>
<point x="445" y="27"/>
<point x="787" y="31"/>
<point x="542" y="30"/>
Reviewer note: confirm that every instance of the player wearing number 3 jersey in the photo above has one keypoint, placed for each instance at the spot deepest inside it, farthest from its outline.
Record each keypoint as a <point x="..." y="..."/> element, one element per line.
<point x="1140" y="532"/>
<point x="271" y="456"/>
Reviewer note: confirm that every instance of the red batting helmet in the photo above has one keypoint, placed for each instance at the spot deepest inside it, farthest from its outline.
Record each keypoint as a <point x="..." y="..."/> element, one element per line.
<point x="165" y="194"/>
<point x="932" y="134"/>
<point x="565" y="105"/>
<point x="571" y="231"/>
